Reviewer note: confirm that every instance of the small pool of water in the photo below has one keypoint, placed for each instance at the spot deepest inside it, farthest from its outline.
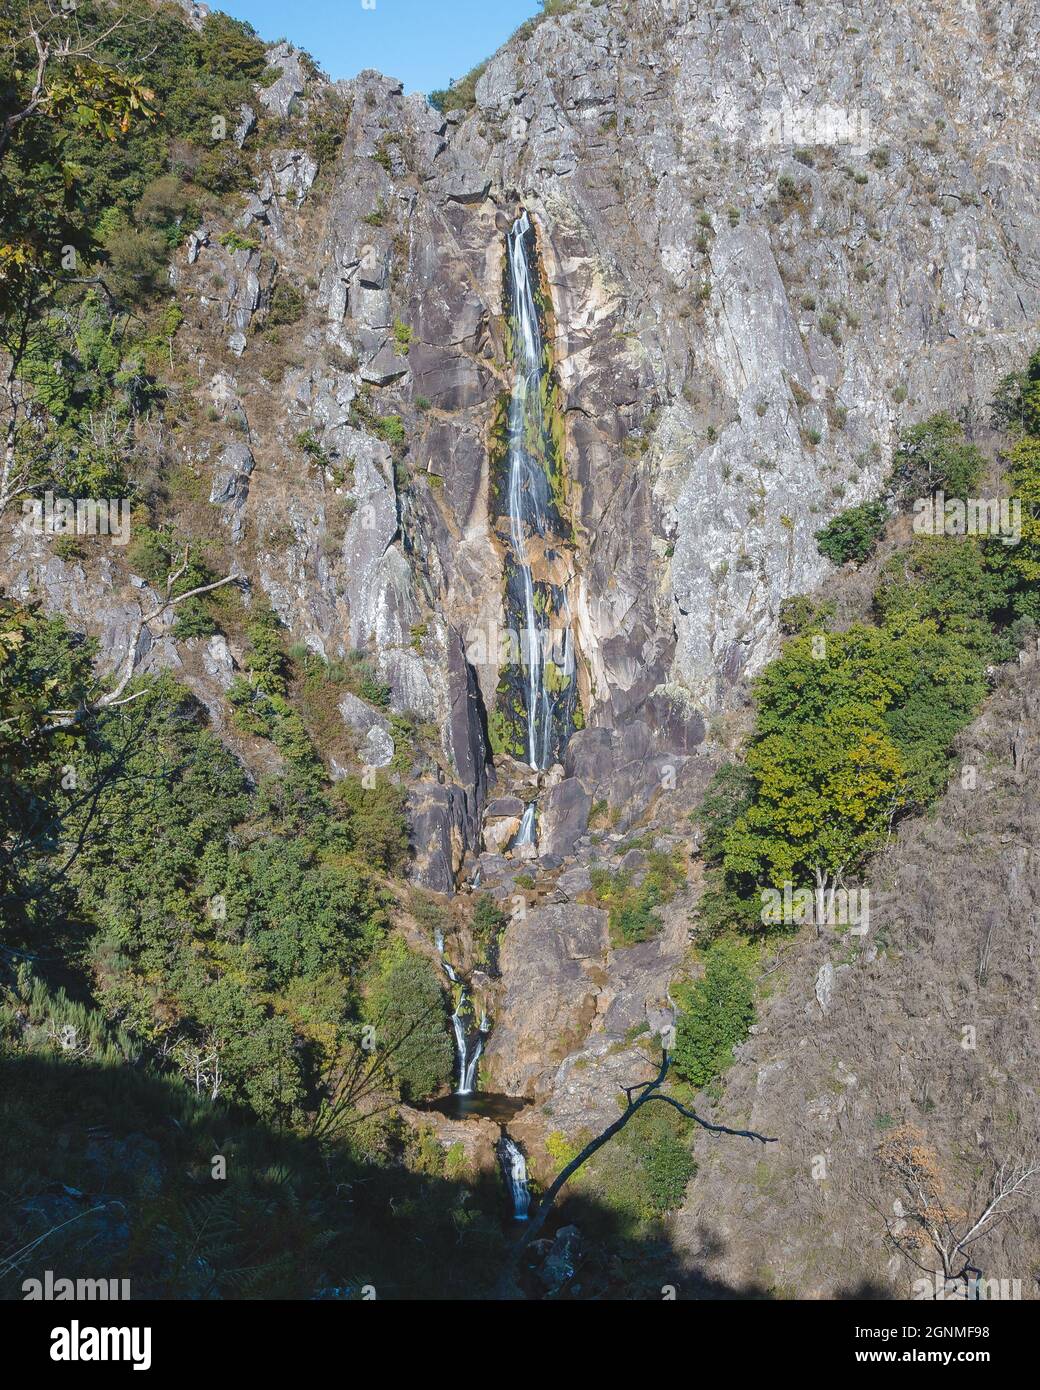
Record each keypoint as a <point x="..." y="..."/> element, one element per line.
<point x="488" y="1105"/>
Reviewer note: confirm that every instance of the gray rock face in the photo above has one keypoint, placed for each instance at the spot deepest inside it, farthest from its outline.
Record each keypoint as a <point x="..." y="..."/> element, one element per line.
<point x="375" y="742"/>
<point x="246" y="124"/>
<point x="564" y="817"/>
<point x="293" y="172"/>
<point x="218" y="662"/>
<point x="741" y="315"/>
<point x="230" y="487"/>
<point x="559" y="946"/>
<point x="825" y="986"/>
<point x="279" y="98"/>
<point x="438" y="817"/>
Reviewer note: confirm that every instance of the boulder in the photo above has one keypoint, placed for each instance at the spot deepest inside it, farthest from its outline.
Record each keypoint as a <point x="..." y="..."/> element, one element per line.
<point x="564" y="817"/>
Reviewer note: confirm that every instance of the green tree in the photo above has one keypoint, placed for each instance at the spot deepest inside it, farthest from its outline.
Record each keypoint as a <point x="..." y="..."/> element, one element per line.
<point x="853" y="533"/>
<point x="935" y="455"/>
<point x="406" y="1007"/>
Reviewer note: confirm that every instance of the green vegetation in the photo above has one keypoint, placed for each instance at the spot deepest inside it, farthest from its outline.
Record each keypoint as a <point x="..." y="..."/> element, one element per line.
<point x="148" y="85"/>
<point x="405" y="1003"/>
<point x="854" y="728"/>
<point x="642" y="1173"/>
<point x="488" y="923"/>
<point x="853" y="533"/>
<point x="461" y="95"/>
<point x="935" y="455"/>
<point x="217" y="917"/>
<point x="287" y="305"/>
<point x="1016" y="403"/>
<point x="402" y="338"/>
<point x="716" y="1012"/>
<point x="632" y="914"/>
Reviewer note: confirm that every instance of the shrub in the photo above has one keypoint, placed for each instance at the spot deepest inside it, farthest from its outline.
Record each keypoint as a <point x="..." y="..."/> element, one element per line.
<point x="136" y="262"/>
<point x="802" y="613"/>
<point x="407" y="1008"/>
<point x="287" y="304"/>
<point x="853" y="533"/>
<point x="461" y="95"/>
<point x="376" y="820"/>
<point x="717" y="1011"/>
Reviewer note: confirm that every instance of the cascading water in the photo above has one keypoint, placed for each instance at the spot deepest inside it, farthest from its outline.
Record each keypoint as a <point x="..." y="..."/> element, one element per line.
<point x="540" y="684"/>
<point x="438" y="939"/>
<point x="528" y="822"/>
<point x="514" y="1166"/>
<point x="536" y="604"/>
<point x="469" y="1042"/>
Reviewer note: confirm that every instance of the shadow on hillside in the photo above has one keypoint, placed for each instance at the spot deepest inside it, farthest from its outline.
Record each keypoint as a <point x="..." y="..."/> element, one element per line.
<point x="117" y="1173"/>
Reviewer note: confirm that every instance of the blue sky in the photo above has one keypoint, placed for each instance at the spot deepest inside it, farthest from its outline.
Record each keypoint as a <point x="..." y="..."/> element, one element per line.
<point x="422" y="42"/>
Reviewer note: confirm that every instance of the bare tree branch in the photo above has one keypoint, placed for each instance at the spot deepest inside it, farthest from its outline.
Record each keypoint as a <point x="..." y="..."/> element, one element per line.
<point x="648" y="1091"/>
<point x="66" y="719"/>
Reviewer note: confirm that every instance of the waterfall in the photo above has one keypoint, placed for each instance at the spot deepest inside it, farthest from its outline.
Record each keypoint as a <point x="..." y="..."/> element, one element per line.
<point x="526" y="834"/>
<point x="547" y="686"/>
<point x="514" y="1165"/>
<point x="468" y="1050"/>
<point x="438" y="941"/>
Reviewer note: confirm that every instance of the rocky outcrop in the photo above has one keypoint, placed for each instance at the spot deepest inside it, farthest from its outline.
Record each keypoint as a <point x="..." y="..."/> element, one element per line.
<point x="564" y="946"/>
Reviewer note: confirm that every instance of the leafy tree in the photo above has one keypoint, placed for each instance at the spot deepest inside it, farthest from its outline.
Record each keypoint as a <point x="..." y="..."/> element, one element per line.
<point x="949" y="580"/>
<point x="829" y="778"/>
<point x="406" y="1007"/>
<point x="853" y="533"/>
<point x="1016" y="401"/>
<point x="302" y="916"/>
<point x="935" y="455"/>
<point x="1019" y="565"/>
<point x="378" y="827"/>
<point x="729" y="793"/>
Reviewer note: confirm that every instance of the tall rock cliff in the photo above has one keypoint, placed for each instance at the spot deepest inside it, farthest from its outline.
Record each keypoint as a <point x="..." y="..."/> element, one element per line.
<point x="770" y="236"/>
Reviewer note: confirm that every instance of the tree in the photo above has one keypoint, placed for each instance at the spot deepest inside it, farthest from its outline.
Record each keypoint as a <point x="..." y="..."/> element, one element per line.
<point x="853" y="533"/>
<point x="636" y="1096"/>
<point x="926" y="1222"/>
<point x="827" y="795"/>
<point x="728" y="795"/>
<point x="53" y="81"/>
<point x="853" y="728"/>
<point x="936" y="455"/>
<point x="406" y="1007"/>
<point x="1023" y="475"/>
